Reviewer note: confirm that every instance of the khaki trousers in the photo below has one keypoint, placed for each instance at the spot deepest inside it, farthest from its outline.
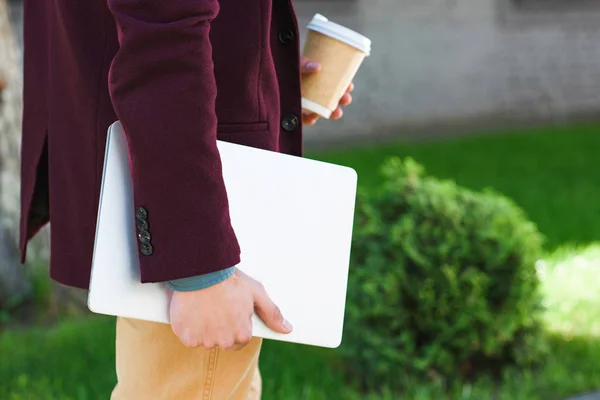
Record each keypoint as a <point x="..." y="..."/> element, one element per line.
<point x="153" y="365"/>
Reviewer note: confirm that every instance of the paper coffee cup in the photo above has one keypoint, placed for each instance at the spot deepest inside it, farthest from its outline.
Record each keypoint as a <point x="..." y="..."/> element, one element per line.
<point x="340" y="51"/>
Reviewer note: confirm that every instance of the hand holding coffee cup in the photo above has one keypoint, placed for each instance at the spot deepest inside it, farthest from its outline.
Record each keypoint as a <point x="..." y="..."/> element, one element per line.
<point x="308" y="66"/>
<point x="338" y="53"/>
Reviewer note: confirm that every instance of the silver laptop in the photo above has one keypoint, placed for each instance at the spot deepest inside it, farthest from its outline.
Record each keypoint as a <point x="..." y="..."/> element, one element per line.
<point x="293" y="218"/>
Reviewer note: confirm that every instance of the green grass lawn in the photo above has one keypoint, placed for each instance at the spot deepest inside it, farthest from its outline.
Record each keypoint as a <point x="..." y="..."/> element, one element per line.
<point x="551" y="173"/>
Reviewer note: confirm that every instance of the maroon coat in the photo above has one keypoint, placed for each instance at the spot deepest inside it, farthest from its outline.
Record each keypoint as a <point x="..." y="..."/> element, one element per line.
<point x="178" y="74"/>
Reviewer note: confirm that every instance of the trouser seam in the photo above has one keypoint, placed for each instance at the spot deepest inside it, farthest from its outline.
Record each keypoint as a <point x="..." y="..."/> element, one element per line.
<point x="209" y="383"/>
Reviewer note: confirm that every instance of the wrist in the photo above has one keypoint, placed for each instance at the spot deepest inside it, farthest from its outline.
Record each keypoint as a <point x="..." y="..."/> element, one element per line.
<point x="201" y="281"/>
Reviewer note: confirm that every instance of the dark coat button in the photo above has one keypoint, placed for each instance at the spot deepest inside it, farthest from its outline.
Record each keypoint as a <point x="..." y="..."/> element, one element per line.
<point x="142" y="224"/>
<point x="144" y="236"/>
<point x="290" y="123"/>
<point x="287" y="36"/>
<point x="146" y="249"/>
<point x="141" y="213"/>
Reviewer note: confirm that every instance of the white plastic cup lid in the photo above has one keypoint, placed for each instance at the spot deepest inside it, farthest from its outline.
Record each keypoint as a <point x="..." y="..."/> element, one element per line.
<point x="322" y="25"/>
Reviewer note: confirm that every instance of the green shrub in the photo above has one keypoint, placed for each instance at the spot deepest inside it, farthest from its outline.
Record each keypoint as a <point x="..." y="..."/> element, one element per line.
<point x="443" y="282"/>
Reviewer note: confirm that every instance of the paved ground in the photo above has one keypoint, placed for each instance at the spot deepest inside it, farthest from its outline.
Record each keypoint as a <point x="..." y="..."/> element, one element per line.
<point x="592" y="396"/>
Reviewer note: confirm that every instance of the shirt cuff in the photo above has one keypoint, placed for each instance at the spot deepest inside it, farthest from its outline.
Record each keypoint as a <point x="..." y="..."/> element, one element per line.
<point x="201" y="281"/>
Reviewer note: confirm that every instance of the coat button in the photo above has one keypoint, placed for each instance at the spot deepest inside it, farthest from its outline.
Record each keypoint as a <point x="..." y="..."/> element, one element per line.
<point x="142" y="224"/>
<point x="144" y="236"/>
<point x="141" y="213"/>
<point x="146" y="249"/>
<point x="286" y="36"/>
<point x="290" y="123"/>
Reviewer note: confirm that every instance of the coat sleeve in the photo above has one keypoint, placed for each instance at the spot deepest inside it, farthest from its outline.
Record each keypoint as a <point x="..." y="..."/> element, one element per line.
<point x="163" y="89"/>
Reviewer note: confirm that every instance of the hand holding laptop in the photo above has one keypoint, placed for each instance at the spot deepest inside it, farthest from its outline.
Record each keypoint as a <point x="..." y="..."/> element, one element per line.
<point x="226" y="317"/>
<point x="227" y="320"/>
<point x="293" y="218"/>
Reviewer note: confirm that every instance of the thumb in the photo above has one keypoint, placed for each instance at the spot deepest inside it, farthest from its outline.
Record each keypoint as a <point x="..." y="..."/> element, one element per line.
<point x="270" y="313"/>
<point x="308" y="66"/>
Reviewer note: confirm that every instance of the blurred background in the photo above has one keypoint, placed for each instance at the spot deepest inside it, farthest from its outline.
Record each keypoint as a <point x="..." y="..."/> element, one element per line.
<point x="475" y="132"/>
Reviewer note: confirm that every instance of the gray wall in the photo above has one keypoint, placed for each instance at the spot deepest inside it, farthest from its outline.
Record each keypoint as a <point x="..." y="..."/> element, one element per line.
<point x="443" y="65"/>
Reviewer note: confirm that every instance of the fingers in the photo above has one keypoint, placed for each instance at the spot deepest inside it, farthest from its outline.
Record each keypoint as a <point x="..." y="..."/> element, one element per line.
<point x="346" y="99"/>
<point x="224" y="340"/>
<point x="226" y="320"/>
<point x="244" y="335"/>
<point x="337" y="114"/>
<point x="242" y="341"/>
<point x="308" y="66"/>
<point x="309" y="119"/>
<point x="239" y="341"/>
<point x="269" y="312"/>
<point x="186" y="338"/>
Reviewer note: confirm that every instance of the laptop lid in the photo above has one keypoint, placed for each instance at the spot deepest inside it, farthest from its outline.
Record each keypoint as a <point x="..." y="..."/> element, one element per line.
<point x="293" y="218"/>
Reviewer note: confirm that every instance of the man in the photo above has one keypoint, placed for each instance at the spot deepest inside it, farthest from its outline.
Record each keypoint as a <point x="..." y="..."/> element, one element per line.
<point x="179" y="75"/>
